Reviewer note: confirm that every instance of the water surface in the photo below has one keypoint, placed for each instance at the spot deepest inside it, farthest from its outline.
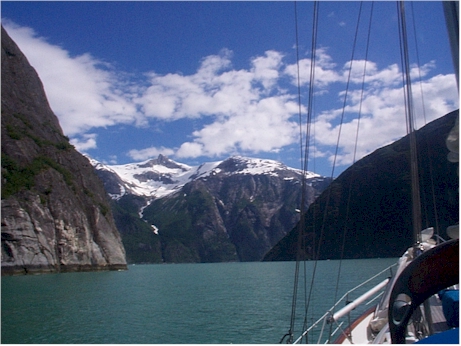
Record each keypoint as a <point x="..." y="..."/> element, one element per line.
<point x="170" y="303"/>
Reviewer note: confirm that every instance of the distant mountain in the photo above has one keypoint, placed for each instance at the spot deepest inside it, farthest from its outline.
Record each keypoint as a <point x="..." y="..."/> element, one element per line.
<point x="377" y="221"/>
<point x="152" y="178"/>
<point x="231" y="210"/>
<point x="56" y="216"/>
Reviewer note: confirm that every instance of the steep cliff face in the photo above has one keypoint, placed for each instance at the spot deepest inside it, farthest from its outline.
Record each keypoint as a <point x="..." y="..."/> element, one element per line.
<point x="377" y="221"/>
<point x="55" y="213"/>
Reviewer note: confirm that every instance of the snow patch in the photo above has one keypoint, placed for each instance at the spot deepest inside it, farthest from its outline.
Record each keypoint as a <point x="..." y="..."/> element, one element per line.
<point x="141" y="210"/>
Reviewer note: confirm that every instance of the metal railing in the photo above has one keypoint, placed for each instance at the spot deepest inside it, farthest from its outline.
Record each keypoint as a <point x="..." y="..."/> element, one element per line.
<point x="333" y="317"/>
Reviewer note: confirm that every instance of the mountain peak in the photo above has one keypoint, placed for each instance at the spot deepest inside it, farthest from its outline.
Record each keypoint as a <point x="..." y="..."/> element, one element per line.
<point x="252" y="165"/>
<point x="256" y="166"/>
<point x="162" y="160"/>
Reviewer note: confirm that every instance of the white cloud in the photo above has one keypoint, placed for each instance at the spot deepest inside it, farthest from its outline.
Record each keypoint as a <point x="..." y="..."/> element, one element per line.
<point x="112" y="160"/>
<point x="266" y="68"/>
<point x="211" y="91"/>
<point x="82" y="91"/>
<point x="190" y="149"/>
<point x="324" y="71"/>
<point x="86" y="142"/>
<point x="234" y="111"/>
<point x="383" y="117"/>
<point x="264" y="126"/>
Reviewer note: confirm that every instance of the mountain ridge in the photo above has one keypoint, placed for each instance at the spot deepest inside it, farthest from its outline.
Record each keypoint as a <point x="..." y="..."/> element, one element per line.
<point x="229" y="210"/>
<point x="379" y="222"/>
<point x="161" y="176"/>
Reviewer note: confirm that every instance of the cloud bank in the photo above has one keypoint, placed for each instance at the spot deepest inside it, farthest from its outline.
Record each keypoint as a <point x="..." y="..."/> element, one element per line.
<point x="251" y="110"/>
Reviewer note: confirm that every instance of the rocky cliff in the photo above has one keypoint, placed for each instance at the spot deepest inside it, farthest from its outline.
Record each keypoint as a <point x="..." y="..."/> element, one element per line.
<point x="55" y="213"/>
<point x="232" y="210"/>
<point x="366" y="211"/>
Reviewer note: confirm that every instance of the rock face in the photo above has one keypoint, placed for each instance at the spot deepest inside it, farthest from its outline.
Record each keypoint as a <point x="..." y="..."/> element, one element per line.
<point x="56" y="216"/>
<point x="232" y="210"/>
<point x="377" y="222"/>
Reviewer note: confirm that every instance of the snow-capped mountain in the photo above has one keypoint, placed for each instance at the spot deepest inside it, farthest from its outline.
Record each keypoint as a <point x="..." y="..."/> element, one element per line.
<point x="160" y="177"/>
<point x="152" y="178"/>
<point x="231" y="210"/>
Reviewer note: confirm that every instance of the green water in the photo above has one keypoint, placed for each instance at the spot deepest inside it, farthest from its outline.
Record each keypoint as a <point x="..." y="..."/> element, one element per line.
<point x="174" y="303"/>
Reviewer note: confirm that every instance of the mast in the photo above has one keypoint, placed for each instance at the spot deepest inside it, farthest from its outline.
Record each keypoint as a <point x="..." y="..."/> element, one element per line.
<point x="451" y="11"/>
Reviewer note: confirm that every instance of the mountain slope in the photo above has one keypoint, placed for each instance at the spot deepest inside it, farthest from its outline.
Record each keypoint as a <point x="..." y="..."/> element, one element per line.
<point x="55" y="212"/>
<point x="377" y="222"/>
<point x="231" y="210"/>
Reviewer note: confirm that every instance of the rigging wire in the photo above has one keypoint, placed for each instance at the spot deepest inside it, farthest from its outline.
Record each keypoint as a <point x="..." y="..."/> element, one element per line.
<point x="349" y="198"/>
<point x="290" y="332"/>
<point x="418" y="62"/>
<point x="356" y="134"/>
<point x="316" y="251"/>
<point x="307" y="146"/>
<point x="304" y="150"/>
<point x="359" y="116"/>
<point x="410" y="122"/>
<point x="409" y="116"/>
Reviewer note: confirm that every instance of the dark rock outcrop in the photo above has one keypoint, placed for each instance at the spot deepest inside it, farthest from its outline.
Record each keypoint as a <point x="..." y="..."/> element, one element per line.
<point x="56" y="216"/>
<point x="226" y="217"/>
<point x="377" y="221"/>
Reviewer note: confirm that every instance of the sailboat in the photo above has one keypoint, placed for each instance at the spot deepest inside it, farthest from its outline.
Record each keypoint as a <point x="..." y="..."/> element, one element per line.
<point x="419" y="301"/>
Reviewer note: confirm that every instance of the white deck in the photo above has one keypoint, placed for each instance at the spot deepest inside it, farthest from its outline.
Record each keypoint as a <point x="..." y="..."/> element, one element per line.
<point x="359" y="333"/>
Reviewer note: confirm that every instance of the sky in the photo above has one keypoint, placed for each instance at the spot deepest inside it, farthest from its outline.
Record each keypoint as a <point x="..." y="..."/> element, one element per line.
<point x="202" y="81"/>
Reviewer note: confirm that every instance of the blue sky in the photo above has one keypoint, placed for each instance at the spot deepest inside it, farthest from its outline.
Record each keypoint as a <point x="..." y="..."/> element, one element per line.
<point x="201" y="81"/>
